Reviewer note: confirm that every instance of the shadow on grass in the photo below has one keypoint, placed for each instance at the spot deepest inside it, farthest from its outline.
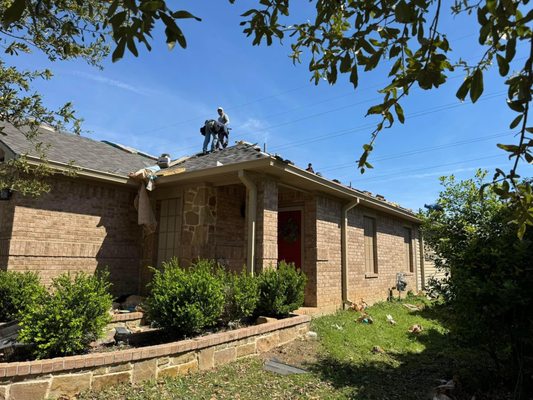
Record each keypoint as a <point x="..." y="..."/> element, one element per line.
<point x="413" y="375"/>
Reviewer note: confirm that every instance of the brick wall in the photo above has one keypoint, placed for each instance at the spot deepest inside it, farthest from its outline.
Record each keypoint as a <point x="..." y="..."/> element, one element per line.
<point x="266" y="250"/>
<point x="390" y="256"/>
<point x="79" y="226"/>
<point x="230" y="231"/>
<point x="7" y="210"/>
<point x="289" y="199"/>
<point x="328" y="245"/>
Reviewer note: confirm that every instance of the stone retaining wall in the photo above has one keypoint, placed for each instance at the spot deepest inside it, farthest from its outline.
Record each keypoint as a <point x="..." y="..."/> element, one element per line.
<point x="67" y="376"/>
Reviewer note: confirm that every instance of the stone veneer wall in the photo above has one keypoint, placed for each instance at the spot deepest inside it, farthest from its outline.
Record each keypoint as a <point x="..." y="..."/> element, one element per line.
<point x="199" y="222"/>
<point x="80" y="225"/>
<point x="67" y="376"/>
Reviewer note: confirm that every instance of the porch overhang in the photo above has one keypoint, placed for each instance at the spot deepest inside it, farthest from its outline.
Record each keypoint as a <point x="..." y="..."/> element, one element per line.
<point x="286" y="174"/>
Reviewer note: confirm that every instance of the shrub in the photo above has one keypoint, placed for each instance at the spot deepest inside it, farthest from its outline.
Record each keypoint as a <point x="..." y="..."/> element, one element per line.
<point x="66" y="320"/>
<point x="488" y="287"/>
<point x="241" y="296"/>
<point x="17" y="292"/>
<point x="186" y="300"/>
<point x="281" y="290"/>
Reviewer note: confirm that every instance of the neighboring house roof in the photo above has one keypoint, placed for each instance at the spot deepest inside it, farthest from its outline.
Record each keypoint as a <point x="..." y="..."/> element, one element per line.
<point x="67" y="148"/>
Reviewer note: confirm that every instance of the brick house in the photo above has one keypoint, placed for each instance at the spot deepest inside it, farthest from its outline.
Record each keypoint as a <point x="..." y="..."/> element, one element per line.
<point x="241" y="206"/>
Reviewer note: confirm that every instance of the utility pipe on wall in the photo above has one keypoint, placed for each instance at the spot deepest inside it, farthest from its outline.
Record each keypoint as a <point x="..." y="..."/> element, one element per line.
<point x="252" y="219"/>
<point x="344" y="251"/>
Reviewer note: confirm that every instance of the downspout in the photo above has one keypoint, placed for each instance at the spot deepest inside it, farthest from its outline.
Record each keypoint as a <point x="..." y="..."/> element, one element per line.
<point x="422" y="266"/>
<point x="252" y="219"/>
<point x="344" y="251"/>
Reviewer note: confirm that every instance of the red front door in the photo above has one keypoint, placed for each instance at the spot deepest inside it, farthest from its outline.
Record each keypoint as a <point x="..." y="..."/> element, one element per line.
<point x="290" y="237"/>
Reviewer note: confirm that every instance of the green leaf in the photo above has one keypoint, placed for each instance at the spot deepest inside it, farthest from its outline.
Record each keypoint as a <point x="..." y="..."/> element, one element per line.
<point x="399" y="112"/>
<point x="403" y="12"/>
<point x="515" y="106"/>
<point x="476" y="88"/>
<point x="503" y="65"/>
<point x="510" y="49"/>
<point x="182" y="14"/>
<point x="151" y="6"/>
<point x="354" y="78"/>
<point x="119" y="50"/>
<point x="132" y="47"/>
<point x="346" y="63"/>
<point x="516" y="121"/>
<point x="511" y="148"/>
<point x="465" y="87"/>
<point x="13" y="13"/>
<point x="378" y="109"/>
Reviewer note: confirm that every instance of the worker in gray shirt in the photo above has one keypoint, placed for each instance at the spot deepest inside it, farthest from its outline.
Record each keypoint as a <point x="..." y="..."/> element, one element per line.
<point x="223" y="136"/>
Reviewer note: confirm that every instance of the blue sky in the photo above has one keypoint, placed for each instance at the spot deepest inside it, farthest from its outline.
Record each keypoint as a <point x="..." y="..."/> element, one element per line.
<point x="158" y="101"/>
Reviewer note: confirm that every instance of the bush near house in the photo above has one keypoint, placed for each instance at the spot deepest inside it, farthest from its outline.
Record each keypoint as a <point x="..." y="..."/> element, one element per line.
<point x="186" y="300"/>
<point x="281" y="290"/>
<point x="66" y="320"/>
<point x="18" y="291"/>
<point x="241" y="296"/>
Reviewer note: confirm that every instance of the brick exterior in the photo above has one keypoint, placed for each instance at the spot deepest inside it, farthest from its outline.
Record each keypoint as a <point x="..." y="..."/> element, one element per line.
<point x="390" y="256"/>
<point x="267" y="224"/>
<point x="79" y="226"/>
<point x="230" y="231"/>
<point x="321" y="236"/>
<point x="83" y="225"/>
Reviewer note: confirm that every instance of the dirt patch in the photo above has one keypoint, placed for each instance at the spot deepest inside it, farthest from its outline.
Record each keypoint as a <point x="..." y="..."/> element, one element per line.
<point x="300" y="353"/>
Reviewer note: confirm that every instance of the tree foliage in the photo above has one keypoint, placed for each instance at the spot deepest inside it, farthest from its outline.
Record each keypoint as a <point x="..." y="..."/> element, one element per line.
<point x="344" y="37"/>
<point x="490" y="273"/>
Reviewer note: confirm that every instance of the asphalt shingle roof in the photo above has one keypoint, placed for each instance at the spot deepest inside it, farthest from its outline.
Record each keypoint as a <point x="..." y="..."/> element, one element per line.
<point x="241" y="152"/>
<point x="84" y="152"/>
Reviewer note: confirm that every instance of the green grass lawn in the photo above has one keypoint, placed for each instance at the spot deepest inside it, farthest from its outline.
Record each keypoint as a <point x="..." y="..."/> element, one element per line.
<point x="345" y="367"/>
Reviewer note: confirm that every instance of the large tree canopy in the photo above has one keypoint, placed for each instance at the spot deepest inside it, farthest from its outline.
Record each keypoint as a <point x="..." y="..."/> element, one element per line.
<point x="345" y="36"/>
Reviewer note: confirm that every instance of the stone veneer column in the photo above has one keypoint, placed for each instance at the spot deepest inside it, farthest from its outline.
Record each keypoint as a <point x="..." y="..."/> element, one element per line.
<point x="267" y="224"/>
<point x="199" y="220"/>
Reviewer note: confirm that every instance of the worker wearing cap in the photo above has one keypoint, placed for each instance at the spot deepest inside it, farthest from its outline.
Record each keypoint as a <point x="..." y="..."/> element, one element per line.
<point x="223" y="136"/>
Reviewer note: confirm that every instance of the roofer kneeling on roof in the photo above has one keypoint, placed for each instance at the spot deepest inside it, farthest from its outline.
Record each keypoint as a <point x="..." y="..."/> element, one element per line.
<point x="211" y="130"/>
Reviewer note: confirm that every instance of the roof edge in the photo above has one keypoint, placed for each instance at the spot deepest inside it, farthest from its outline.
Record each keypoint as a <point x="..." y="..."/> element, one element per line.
<point x="349" y="192"/>
<point x="81" y="171"/>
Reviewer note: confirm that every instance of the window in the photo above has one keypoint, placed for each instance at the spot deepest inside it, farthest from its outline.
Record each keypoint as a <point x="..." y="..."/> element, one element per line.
<point x="169" y="229"/>
<point x="408" y="249"/>
<point x="371" y="254"/>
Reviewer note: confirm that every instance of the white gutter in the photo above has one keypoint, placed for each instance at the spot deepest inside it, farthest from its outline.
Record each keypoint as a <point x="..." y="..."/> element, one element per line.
<point x="252" y="219"/>
<point x="344" y="250"/>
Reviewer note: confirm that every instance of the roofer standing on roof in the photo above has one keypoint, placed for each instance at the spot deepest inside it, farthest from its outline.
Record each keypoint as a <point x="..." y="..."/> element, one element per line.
<point x="223" y="136"/>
